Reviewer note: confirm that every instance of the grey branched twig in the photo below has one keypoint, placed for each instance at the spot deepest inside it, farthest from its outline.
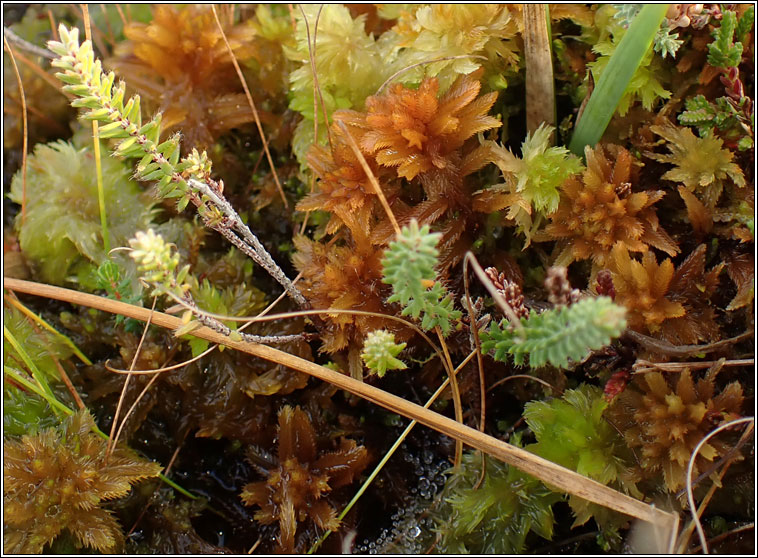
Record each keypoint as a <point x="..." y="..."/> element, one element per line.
<point x="188" y="178"/>
<point x="159" y="266"/>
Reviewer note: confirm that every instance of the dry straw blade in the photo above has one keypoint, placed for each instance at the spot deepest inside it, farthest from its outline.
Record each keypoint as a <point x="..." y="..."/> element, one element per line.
<point x="540" y="84"/>
<point x="553" y="475"/>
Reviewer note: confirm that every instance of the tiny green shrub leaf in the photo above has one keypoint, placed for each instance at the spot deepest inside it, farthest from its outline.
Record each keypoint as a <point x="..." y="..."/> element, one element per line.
<point x="158" y="263"/>
<point x="723" y="52"/>
<point x="555" y="336"/>
<point x="380" y="352"/>
<point x="408" y="266"/>
<point x="744" y="24"/>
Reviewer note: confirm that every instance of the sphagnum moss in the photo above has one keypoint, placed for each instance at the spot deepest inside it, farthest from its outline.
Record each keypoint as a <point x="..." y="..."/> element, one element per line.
<point x="431" y="99"/>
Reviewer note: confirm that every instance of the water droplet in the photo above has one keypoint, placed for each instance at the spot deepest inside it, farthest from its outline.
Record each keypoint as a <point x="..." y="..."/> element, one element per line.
<point x="415" y="531"/>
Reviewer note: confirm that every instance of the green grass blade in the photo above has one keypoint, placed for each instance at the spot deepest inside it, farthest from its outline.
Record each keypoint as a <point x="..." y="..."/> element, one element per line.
<point x="621" y="67"/>
<point x="32" y="316"/>
<point x="18" y="377"/>
<point x="100" y="190"/>
<point x="36" y="372"/>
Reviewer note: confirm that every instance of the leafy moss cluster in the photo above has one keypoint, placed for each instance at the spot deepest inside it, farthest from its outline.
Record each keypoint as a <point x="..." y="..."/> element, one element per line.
<point x="57" y="479"/>
<point x="496" y="516"/>
<point x="382" y="149"/>
<point x="61" y="233"/>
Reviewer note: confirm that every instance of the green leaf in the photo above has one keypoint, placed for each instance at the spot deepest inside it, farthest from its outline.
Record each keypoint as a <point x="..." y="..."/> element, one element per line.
<point x="154" y="175"/>
<point x="181" y="205"/>
<point x="623" y="64"/>
<point x="132" y="111"/>
<point x="117" y="99"/>
<point x="722" y="52"/>
<point x="745" y="24"/>
<point x="197" y="345"/>
<point x="112" y="130"/>
<point x="106" y="84"/>
<point x="72" y="79"/>
<point x="78" y="90"/>
<point x="408" y="266"/>
<point x="555" y="336"/>
<point x="99" y="114"/>
<point x="90" y="102"/>
<point x="744" y="144"/>
<point x="150" y="167"/>
<point x="380" y="352"/>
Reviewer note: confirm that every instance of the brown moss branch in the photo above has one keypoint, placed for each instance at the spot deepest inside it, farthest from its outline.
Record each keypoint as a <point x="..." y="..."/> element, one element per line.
<point x="554" y="475"/>
<point x="681" y="351"/>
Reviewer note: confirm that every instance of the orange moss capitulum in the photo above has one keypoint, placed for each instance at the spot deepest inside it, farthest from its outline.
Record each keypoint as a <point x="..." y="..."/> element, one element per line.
<point x="414" y="131"/>
<point x="668" y="422"/>
<point x="600" y="211"/>
<point x="344" y="278"/>
<point x="670" y="304"/>
<point x="294" y="490"/>
<point x="641" y="287"/>
<point x="343" y="187"/>
<point x="181" y="63"/>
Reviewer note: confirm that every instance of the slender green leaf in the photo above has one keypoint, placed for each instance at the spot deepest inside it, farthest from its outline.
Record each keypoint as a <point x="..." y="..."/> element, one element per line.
<point x="610" y="88"/>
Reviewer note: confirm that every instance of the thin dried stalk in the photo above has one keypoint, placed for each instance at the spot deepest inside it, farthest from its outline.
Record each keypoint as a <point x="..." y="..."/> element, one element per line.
<point x="371" y="177"/>
<point x="111" y="440"/>
<point x="25" y="146"/>
<point x="642" y="366"/>
<point x="9" y="35"/>
<point x="540" y="86"/>
<point x="417" y="64"/>
<point x="554" y="475"/>
<point x="684" y="536"/>
<point x="98" y="160"/>
<point x="690" y="496"/>
<point x="456" y="393"/>
<point x="252" y="107"/>
<point x="681" y="351"/>
<point x="314" y="73"/>
<point x="13" y="300"/>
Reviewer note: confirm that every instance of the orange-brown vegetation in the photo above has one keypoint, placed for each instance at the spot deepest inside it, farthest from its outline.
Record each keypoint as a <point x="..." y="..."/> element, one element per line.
<point x="297" y="484"/>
